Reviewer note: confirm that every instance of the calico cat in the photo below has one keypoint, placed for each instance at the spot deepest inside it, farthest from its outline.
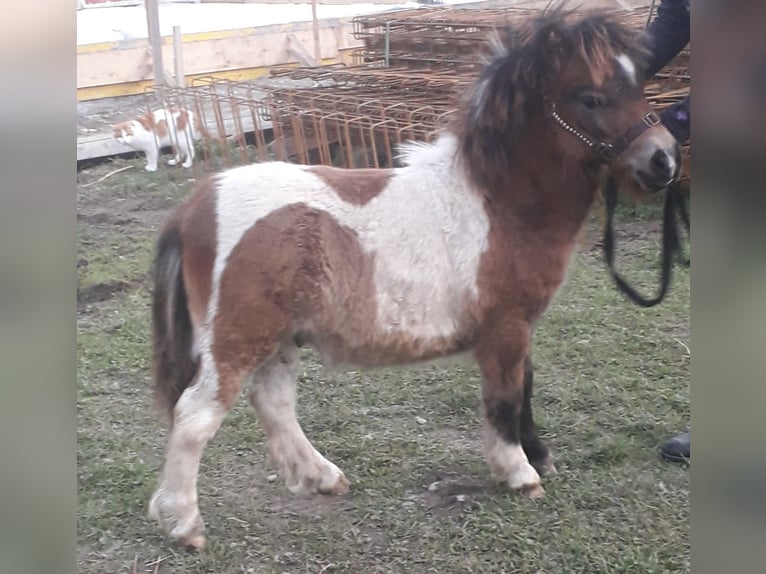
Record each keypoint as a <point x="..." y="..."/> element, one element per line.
<point x="175" y="127"/>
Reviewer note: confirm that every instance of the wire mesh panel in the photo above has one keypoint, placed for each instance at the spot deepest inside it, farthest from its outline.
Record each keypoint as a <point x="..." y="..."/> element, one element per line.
<point x="444" y="36"/>
<point x="416" y="66"/>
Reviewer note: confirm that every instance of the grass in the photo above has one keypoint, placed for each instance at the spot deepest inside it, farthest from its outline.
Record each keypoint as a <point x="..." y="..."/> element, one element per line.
<point x="611" y="384"/>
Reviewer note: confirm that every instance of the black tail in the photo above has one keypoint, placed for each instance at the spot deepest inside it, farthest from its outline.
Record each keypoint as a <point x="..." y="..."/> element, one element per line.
<point x="173" y="366"/>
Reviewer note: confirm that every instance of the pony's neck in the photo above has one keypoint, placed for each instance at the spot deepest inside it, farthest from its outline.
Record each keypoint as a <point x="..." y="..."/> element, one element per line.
<point x="553" y="189"/>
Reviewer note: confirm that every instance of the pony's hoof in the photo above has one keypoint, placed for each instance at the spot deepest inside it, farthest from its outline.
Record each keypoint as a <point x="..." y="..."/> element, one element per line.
<point x="150" y="168"/>
<point x="194" y="543"/>
<point x="322" y="477"/>
<point x="338" y="488"/>
<point x="186" y="165"/>
<point x="172" y="162"/>
<point x="182" y="522"/>
<point x="530" y="490"/>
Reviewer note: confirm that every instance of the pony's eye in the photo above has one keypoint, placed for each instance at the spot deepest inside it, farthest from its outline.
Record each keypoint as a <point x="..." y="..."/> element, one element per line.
<point x="591" y="102"/>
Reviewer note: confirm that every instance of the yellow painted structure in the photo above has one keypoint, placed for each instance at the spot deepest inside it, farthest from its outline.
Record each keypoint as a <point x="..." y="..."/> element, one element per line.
<point x="125" y="68"/>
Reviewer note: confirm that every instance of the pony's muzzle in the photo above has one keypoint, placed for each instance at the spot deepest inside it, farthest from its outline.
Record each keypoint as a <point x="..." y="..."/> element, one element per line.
<point x="655" y="159"/>
<point x="665" y="166"/>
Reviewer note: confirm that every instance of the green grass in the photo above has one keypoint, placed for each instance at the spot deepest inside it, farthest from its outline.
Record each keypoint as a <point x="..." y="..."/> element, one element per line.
<point x="611" y="384"/>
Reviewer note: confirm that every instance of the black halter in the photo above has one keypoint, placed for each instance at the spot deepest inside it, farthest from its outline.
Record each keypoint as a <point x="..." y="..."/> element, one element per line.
<point x="608" y="151"/>
<point x="674" y="207"/>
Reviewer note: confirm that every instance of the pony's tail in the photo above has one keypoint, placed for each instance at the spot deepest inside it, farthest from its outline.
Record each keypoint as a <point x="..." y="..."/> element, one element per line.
<point x="173" y="366"/>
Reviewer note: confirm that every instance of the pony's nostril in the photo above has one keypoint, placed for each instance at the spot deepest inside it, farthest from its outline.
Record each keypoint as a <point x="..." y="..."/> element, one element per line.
<point x="662" y="164"/>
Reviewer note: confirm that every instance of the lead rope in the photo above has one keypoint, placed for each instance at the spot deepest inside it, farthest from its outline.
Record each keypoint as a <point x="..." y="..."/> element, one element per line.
<point x="671" y="245"/>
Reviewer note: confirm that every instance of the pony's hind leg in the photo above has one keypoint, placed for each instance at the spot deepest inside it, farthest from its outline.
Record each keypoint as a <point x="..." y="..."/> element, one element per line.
<point x="272" y="393"/>
<point x="538" y="454"/>
<point x="196" y="418"/>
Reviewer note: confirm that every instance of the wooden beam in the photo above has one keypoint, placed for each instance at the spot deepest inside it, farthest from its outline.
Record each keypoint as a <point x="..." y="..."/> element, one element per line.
<point x="155" y="40"/>
<point x="120" y="68"/>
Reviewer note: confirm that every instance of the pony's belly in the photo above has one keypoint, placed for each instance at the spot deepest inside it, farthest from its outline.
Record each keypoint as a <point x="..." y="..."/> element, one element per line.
<point x="375" y="344"/>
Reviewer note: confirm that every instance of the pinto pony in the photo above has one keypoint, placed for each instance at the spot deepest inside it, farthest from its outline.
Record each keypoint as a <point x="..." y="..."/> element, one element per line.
<point x="459" y="250"/>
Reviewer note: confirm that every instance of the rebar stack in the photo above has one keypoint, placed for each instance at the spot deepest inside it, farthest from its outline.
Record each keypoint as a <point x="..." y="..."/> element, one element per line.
<point x="413" y="68"/>
<point x="437" y="38"/>
<point x="356" y="117"/>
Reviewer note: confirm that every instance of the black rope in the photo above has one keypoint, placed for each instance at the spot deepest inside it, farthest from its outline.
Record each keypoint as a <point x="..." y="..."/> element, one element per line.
<point x="671" y="245"/>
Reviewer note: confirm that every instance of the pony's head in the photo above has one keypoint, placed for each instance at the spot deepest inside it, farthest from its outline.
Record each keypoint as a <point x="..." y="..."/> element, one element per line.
<point x="571" y="85"/>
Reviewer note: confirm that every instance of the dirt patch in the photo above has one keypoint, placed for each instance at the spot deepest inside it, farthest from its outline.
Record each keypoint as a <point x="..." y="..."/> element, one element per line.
<point x="102" y="292"/>
<point x="452" y="489"/>
<point x="102" y="217"/>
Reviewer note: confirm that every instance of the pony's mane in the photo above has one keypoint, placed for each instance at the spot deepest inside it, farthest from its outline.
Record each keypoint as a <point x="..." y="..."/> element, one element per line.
<point x="520" y="63"/>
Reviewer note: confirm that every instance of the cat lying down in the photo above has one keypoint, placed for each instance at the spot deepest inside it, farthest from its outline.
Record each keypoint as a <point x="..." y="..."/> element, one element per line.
<point x="176" y="127"/>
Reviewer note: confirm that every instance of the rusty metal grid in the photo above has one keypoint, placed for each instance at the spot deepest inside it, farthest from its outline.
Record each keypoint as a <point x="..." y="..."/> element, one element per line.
<point x="355" y="116"/>
<point x="443" y="36"/>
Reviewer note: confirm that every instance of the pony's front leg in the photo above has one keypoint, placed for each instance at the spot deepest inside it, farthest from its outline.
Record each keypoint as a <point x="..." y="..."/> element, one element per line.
<point x="502" y="361"/>
<point x="538" y="454"/>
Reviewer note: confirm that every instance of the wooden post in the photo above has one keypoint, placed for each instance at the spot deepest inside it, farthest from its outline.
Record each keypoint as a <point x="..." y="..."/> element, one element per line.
<point x="315" y="26"/>
<point x="155" y="40"/>
<point x="178" y="57"/>
<point x="297" y="51"/>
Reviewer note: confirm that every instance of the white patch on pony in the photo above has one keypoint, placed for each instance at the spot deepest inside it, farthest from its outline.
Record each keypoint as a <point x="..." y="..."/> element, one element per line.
<point x="628" y="67"/>
<point x="508" y="463"/>
<point x="272" y="393"/>
<point x="427" y="230"/>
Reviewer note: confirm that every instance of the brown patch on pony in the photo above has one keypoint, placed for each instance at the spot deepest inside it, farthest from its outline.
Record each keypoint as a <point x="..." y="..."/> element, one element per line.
<point x="198" y="228"/>
<point x="275" y="283"/>
<point x="355" y="186"/>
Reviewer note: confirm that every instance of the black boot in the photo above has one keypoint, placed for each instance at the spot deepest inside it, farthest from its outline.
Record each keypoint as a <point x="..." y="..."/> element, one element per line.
<point x="677" y="449"/>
